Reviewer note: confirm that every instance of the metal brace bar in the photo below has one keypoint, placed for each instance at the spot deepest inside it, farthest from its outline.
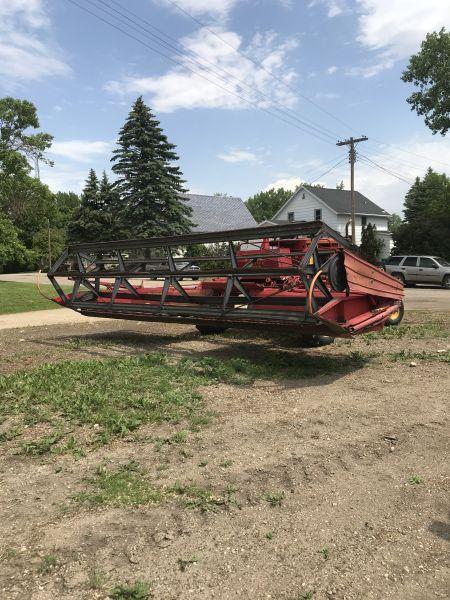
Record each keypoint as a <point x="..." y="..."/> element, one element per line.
<point x="116" y="288"/>
<point x="166" y="287"/>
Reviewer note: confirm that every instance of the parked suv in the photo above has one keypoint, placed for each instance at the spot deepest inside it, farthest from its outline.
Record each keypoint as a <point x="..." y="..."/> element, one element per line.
<point x="419" y="269"/>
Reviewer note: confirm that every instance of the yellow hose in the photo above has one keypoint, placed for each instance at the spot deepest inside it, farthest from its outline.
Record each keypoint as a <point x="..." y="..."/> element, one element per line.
<point x="38" y="283"/>
<point x="311" y="289"/>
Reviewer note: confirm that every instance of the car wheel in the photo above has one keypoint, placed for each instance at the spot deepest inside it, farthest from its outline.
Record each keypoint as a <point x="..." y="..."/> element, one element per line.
<point x="210" y="330"/>
<point x="396" y="317"/>
<point x="446" y="282"/>
<point x="399" y="276"/>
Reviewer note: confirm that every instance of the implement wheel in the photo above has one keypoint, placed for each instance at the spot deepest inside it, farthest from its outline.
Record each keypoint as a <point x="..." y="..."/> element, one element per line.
<point x="210" y="330"/>
<point x="314" y="341"/>
<point x="396" y="317"/>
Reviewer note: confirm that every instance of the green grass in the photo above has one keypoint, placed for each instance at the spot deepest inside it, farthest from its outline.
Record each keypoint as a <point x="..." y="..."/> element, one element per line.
<point x="115" y="396"/>
<point x="274" y="498"/>
<point x="137" y="591"/>
<point x="48" y="563"/>
<point x="23" y="297"/>
<point x="129" y="485"/>
<point x="415" y="480"/>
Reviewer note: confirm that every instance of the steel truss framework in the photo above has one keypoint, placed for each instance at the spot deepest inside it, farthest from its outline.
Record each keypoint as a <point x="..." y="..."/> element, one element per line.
<point x="120" y="262"/>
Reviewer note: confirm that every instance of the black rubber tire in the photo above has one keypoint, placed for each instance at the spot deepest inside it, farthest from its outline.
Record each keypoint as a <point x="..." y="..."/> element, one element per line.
<point x="210" y="330"/>
<point x="446" y="282"/>
<point x="399" y="276"/>
<point x="314" y="341"/>
<point x="396" y="318"/>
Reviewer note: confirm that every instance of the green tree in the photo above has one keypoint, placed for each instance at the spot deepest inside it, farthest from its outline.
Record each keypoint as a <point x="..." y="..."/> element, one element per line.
<point x="149" y="183"/>
<point x="394" y="222"/>
<point x="426" y="228"/>
<point x="87" y="224"/>
<point x="371" y="246"/>
<point x="17" y="146"/>
<point x="13" y="254"/>
<point x="340" y="186"/>
<point x="429" y="71"/>
<point x="65" y="204"/>
<point x="264" y="205"/>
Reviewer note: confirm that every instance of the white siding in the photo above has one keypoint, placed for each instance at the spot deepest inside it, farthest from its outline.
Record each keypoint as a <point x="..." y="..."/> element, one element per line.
<point x="303" y="209"/>
<point x="380" y="222"/>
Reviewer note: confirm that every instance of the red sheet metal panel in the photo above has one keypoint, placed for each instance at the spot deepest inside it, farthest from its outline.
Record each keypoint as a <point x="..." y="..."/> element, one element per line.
<point x="364" y="278"/>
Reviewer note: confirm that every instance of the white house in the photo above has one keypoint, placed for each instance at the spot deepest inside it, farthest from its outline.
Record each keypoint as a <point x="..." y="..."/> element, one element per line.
<point x="333" y="207"/>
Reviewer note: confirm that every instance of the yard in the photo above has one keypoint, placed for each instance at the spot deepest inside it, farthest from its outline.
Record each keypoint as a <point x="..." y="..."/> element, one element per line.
<point x="22" y="297"/>
<point x="143" y="461"/>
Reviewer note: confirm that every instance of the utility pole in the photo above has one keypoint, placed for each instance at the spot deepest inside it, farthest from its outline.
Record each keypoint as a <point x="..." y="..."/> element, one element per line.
<point x="352" y="159"/>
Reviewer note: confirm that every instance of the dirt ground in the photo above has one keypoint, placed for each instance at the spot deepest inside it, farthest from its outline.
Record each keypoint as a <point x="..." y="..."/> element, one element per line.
<point x="355" y="462"/>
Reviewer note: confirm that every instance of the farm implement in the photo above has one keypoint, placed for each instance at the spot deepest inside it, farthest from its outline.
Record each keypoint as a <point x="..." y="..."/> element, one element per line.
<point x="298" y="277"/>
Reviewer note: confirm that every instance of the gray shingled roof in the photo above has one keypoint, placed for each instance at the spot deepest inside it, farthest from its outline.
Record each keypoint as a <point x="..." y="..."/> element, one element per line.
<point x="340" y="201"/>
<point x="218" y="213"/>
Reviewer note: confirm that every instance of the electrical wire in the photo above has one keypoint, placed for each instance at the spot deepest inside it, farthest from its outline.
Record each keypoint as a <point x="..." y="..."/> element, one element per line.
<point x="248" y="101"/>
<point x="260" y="65"/>
<point x="215" y="68"/>
<point x="386" y="170"/>
<point x="328" y="171"/>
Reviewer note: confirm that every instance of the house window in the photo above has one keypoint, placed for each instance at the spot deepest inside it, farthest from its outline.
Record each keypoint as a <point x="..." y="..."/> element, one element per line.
<point x="303" y="196"/>
<point x="363" y="221"/>
<point x="318" y="214"/>
<point x="290" y="216"/>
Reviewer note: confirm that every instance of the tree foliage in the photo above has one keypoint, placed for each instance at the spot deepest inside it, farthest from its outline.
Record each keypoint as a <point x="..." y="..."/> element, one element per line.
<point x="265" y="205"/>
<point x="17" y="146"/>
<point x="13" y="254"/>
<point x="426" y="228"/>
<point x="429" y="71"/>
<point x="394" y="222"/>
<point x="149" y="183"/>
<point x="371" y="246"/>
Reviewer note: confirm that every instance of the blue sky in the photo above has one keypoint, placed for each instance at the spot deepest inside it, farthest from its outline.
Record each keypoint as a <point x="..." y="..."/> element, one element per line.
<point x="345" y="56"/>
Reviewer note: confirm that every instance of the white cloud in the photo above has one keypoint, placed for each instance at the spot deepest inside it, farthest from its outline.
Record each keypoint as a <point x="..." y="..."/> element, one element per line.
<point x="180" y="88"/>
<point x="334" y="7"/>
<point x="215" y="8"/>
<point x="331" y="70"/>
<point x="26" y="52"/>
<point x="288" y="183"/>
<point x="394" y="29"/>
<point x="239" y="156"/>
<point x="64" y="179"/>
<point x="80" y="150"/>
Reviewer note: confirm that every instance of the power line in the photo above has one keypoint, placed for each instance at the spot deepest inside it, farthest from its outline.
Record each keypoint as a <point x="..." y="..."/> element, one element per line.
<point x="286" y="84"/>
<point x="386" y="170"/>
<point x="259" y="64"/>
<point x="171" y="59"/>
<point x="328" y="171"/>
<point x="215" y="68"/>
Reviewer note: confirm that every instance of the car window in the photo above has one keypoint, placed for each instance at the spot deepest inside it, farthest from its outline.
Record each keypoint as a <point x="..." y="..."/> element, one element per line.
<point x="442" y="261"/>
<point x="410" y="261"/>
<point x="427" y="263"/>
<point x="394" y="260"/>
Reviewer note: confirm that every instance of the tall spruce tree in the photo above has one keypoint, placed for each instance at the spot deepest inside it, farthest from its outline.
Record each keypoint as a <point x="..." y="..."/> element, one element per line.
<point x="112" y="211"/>
<point x="149" y="183"/>
<point x="89" y="221"/>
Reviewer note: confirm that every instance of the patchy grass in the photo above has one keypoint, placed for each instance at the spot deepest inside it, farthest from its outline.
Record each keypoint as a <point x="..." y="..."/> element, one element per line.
<point x="115" y="396"/>
<point x="406" y="355"/>
<point x="129" y="485"/>
<point x="325" y="552"/>
<point x="413" y="331"/>
<point x="274" y="498"/>
<point x="48" y="563"/>
<point x="23" y="297"/>
<point x="136" y="591"/>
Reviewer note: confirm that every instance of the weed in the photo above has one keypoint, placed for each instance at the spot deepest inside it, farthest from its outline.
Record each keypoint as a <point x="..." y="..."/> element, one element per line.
<point x="184" y="563"/>
<point x="226" y="463"/>
<point x="125" y="486"/>
<point x="325" y="552"/>
<point x="96" y="580"/>
<point x="42" y="446"/>
<point x="9" y="553"/>
<point x="269" y="535"/>
<point x="7" y="436"/>
<point x="274" y="498"/>
<point x="307" y="596"/>
<point x="71" y="447"/>
<point x="415" y="480"/>
<point x="49" y="562"/>
<point x="203" y="463"/>
<point x="193" y="496"/>
<point x="178" y="438"/>
<point x="137" y="591"/>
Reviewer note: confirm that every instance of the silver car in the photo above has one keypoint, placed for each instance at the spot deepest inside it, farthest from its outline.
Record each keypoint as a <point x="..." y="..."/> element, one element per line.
<point x="419" y="269"/>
